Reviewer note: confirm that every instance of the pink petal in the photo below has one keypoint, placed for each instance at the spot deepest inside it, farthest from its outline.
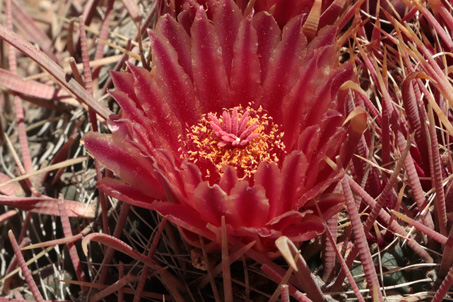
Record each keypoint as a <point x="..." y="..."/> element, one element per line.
<point x="293" y="172"/>
<point x="318" y="170"/>
<point x="212" y="203"/>
<point x="136" y="122"/>
<point x="226" y="19"/>
<point x="320" y="97"/>
<point x="192" y="178"/>
<point x="308" y="141"/>
<point x="251" y="204"/>
<point x="316" y="190"/>
<point x="175" y="85"/>
<point x="161" y="116"/>
<point x="173" y="193"/>
<point x="169" y="175"/>
<point x="263" y="5"/>
<point x="179" y="39"/>
<point x="144" y="139"/>
<point x="325" y="37"/>
<point x="282" y="75"/>
<point x="172" y="177"/>
<point x="264" y="239"/>
<point x="269" y="177"/>
<point x="184" y="217"/>
<point x="123" y="159"/>
<point x="209" y="73"/>
<point x="268" y="34"/>
<point x="124" y="81"/>
<point x="311" y="227"/>
<point x="329" y="125"/>
<point x="186" y="17"/>
<point x="285" y="10"/>
<point x="329" y="204"/>
<point x="300" y="99"/>
<point x="345" y="74"/>
<point x="287" y="219"/>
<point x="228" y="179"/>
<point x="245" y="70"/>
<point x="129" y="107"/>
<point x="331" y="13"/>
<point x="129" y="194"/>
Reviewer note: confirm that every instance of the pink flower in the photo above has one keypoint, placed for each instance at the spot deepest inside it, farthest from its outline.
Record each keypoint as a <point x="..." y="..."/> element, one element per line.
<point x="237" y="119"/>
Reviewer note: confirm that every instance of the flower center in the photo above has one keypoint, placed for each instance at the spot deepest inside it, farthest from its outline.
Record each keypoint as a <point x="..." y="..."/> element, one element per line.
<point x="242" y="138"/>
<point x="234" y="130"/>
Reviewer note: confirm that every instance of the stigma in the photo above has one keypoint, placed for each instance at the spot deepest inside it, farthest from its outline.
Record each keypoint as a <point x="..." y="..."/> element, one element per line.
<point x="233" y="130"/>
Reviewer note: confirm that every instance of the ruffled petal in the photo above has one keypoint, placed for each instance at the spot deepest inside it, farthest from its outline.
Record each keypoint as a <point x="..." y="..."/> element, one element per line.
<point x="300" y="99"/>
<point x="269" y="177"/>
<point x="311" y="227"/>
<point x="263" y="237"/>
<point x="184" y="217"/>
<point x="287" y="219"/>
<point x="308" y="141"/>
<point x="318" y="84"/>
<point x="123" y="159"/>
<point x="285" y="10"/>
<point x="209" y="73"/>
<point x="319" y="170"/>
<point x="269" y="36"/>
<point x="172" y="177"/>
<point x="282" y="75"/>
<point x="139" y="124"/>
<point x="179" y="39"/>
<point x="298" y="226"/>
<point x="293" y="173"/>
<point x="120" y="190"/>
<point x="330" y="124"/>
<point x="175" y="85"/>
<point x="346" y="73"/>
<point x="245" y="70"/>
<point x="226" y="19"/>
<point x="228" y="179"/>
<point x="323" y="96"/>
<point x="129" y="107"/>
<point x="192" y="178"/>
<point x="331" y="13"/>
<point x="159" y="113"/>
<point x="329" y="204"/>
<point x="316" y="190"/>
<point x="212" y="203"/>
<point x="124" y="82"/>
<point x="325" y="37"/>
<point x="251" y="204"/>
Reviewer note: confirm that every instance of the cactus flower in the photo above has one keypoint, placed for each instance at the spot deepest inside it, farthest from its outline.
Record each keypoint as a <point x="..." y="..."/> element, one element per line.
<point x="238" y="118"/>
